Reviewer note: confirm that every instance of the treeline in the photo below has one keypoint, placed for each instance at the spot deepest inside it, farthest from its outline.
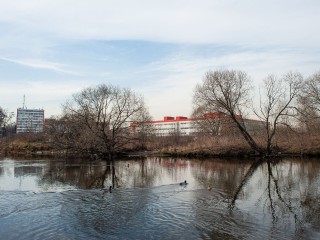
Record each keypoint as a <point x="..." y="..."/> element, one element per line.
<point x="97" y="121"/>
<point x="287" y="107"/>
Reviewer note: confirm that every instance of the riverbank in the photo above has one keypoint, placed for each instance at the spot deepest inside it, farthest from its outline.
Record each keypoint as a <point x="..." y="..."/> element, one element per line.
<point x="42" y="151"/>
<point x="25" y="146"/>
<point x="225" y="147"/>
<point x="204" y="147"/>
<point x="235" y="152"/>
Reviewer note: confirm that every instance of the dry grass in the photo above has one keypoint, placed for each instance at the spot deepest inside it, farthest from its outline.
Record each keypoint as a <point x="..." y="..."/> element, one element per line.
<point x="24" y="144"/>
<point x="303" y="143"/>
<point x="208" y="145"/>
<point x="289" y="143"/>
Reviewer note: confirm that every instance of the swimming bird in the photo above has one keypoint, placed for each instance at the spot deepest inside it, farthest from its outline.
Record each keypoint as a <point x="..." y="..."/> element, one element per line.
<point x="183" y="183"/>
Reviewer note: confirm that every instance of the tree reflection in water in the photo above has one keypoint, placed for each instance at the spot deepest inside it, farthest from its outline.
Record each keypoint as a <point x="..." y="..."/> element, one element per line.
<point x="289" y="193"/>
<point x="248" y="199"/>
<point x="100" y="174"/>
<point x="246" y="178"/>
<point x="80" y="174"/>
<point x="284" y="191"/>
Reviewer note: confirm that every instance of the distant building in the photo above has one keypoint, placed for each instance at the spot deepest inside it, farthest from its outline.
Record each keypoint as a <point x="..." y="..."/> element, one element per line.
<point x="30" y="120"/>
<point x="215" y="123"/>
<point x="168" y="126"/>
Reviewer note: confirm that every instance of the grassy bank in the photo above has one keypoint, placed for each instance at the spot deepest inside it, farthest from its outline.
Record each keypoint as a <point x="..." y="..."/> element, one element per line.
<point x="196" y="147"/>
<point x="224" y="146"/>
<point x="25" y="145"/>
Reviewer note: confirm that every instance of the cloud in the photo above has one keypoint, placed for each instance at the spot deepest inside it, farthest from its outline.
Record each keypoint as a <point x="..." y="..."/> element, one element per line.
<point x="49" y="95"/>
<point x="181" y="21"/>
<point x="42" y="64"/>
<point x="259" y="37"/>
<point x="255" y="61"/>
<point x="172" y="94"/>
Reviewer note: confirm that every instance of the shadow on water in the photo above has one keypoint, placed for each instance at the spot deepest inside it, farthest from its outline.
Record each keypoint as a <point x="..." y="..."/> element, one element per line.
<point x="222" y="200"/>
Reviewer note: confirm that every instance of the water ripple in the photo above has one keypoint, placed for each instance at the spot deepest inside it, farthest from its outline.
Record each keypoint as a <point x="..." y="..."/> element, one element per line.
<point x="164" y="212"/>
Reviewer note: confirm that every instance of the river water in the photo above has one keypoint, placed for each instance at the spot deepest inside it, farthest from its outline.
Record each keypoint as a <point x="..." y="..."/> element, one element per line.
<point x="224" y="199"/>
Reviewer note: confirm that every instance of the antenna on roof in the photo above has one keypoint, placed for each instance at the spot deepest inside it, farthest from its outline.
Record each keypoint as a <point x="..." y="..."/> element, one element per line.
<point x="24" y="102"/>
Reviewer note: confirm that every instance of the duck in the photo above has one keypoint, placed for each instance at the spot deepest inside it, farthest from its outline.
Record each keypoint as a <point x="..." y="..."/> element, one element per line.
<point x="209" y="188"/>
<point x="183" y="183"/>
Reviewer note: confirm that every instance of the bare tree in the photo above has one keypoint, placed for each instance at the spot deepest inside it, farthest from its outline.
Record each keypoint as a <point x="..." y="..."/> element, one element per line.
<point x="309" y="103"/>
<point x="142" y="129"/>
<point x="278" y="105"/>
<point x="3" y="116"/>
<point x="226" y="91"/>
<point x="312" y="91"/>
<point x="97" y="120"/>
<point x="206" y="123"/>
<point x="5" y="121"/>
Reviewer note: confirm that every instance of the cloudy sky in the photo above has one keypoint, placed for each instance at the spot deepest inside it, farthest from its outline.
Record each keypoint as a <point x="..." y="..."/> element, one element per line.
<point x="50" y="49"/>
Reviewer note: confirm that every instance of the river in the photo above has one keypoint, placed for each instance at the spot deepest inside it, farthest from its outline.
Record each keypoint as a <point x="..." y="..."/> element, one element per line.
<point x="224" y="199"/>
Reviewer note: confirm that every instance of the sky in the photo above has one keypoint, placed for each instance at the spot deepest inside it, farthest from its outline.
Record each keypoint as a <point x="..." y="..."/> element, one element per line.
<point x="52" y="49"/>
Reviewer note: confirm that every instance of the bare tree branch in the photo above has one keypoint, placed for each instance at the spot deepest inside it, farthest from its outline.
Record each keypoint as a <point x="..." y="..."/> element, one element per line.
<point x="97" y="120"/>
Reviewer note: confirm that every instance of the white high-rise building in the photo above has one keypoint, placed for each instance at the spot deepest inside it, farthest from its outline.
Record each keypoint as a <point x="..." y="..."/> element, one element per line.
<point x="30" y="120"/>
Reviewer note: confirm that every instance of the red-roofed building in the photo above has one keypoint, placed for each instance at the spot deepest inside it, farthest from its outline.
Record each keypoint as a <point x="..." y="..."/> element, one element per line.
<point x="217" y="121"/>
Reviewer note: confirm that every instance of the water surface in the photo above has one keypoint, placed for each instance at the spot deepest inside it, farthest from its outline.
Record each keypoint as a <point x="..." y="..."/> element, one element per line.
<point x="56" y="199"/>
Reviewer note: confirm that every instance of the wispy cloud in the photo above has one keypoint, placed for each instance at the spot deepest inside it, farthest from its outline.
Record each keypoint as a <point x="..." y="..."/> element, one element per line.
<point x="99" y="41"/>
<point x="256" y="62"/>
<point x="39" y="94"/>
<point x="42" y="64"/>
<point x="175" y="89"/>
<point x="181" y="21"/>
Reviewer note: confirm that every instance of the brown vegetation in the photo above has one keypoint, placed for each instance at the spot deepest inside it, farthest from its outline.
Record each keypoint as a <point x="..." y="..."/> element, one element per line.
<point x="286" y="143"/>
<point x="98" y="121"/>
<point x="25" y="144"/>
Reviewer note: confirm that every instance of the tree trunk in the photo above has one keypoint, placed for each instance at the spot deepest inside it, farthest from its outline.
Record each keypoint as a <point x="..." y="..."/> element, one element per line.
<point x="248" y="137"/>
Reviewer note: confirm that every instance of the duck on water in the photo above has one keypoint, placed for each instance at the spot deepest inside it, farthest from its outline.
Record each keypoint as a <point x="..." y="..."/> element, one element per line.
<point x="183" y="183"/>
